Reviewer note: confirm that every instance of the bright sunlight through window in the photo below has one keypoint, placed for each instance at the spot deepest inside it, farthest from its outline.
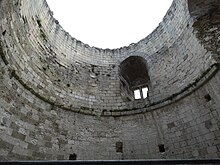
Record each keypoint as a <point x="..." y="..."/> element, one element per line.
<point x="145" y="91"/>
<point x="137" y="94"/>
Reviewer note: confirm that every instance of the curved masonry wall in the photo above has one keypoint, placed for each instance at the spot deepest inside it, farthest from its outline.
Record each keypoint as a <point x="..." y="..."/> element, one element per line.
<point x="68" y="73"/>
<point x="58" y="96"/>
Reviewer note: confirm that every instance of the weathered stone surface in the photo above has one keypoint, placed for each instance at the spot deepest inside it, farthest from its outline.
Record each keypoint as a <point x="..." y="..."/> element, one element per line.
<point x="59" y="96"/>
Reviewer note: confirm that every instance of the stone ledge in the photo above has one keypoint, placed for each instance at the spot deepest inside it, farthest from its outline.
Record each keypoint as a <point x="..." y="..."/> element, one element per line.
<point x="208" y="74"/>
<point x="149" y="107"/>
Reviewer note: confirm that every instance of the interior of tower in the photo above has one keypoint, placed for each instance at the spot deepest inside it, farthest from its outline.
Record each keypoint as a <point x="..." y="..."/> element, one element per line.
<point x="61" y="99"/>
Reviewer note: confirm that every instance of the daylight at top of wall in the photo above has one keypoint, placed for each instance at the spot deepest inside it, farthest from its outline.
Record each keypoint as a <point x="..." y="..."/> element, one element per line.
<point x="109" y="23"/>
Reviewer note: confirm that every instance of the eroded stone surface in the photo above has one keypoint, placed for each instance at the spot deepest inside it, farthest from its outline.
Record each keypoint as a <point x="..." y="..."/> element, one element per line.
<point x="59" y="96"/>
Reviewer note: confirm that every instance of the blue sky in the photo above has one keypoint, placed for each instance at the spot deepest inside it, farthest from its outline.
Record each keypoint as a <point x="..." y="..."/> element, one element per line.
<point x="109" y="23"/>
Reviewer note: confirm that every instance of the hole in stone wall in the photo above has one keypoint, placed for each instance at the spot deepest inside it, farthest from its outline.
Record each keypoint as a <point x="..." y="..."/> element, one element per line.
<point x="119" y="147"/>
<point x="137" y="94"/>
<point x="145" y="92"/>
<point x="134" y="78"/>
<point x="207" y="97"/>
<point x="39" y="23"/>
<point x="68" y="85"/>
<point x="4" y="32"/>
<point x="72" y="156"/>
<point x="24" y="19"/>
<point x="161" y="148"/>
<point x="141" y="93"/>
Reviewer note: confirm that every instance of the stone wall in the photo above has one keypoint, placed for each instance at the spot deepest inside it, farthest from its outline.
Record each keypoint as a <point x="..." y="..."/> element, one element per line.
<point x="59" y="96"/>
<point x="66" y="72"/>
<point x="32" y="129"/>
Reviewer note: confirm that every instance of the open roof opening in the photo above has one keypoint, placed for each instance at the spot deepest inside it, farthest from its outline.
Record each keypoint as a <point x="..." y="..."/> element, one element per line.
<point x="109" y="23"/>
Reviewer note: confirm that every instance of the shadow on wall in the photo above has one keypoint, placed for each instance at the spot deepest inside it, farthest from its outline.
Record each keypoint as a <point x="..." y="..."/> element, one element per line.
<point x="198" y="8"/>
<point x="206" y="15"/>
<point x="134" y="78"/>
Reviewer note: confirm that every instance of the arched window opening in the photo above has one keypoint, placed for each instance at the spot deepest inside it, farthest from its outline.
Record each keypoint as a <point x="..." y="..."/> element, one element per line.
<point x="134" y="78"/>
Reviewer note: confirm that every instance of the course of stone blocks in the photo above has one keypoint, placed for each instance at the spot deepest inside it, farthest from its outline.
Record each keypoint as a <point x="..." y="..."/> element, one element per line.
<point x="62" y="99"/>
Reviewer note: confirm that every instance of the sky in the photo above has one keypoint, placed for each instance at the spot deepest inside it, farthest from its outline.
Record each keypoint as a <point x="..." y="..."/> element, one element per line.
<point x="109" y="23"/>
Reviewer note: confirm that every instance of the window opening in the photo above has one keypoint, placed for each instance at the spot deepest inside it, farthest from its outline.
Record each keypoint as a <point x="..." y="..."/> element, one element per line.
<point x="134" y="78"/>
<point x="145" y="92"/>
<point x="207" y="98"/>
<point x="141" y="93"/>
<point x="137" y="94"/>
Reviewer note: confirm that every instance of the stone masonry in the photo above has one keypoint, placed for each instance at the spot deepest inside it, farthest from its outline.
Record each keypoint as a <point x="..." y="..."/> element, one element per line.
<point x="61" y="97"/>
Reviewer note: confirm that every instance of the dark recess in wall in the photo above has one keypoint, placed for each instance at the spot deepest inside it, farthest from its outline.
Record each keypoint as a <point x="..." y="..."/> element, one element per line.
<point x="72" y="156"/>
<point x="119" y="147"/>
<point x="161" y="148"/>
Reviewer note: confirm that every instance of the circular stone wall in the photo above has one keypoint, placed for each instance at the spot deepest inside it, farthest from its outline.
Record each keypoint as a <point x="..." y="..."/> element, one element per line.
<point x="59" y="96"/>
